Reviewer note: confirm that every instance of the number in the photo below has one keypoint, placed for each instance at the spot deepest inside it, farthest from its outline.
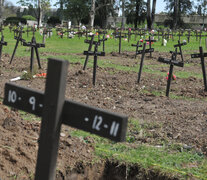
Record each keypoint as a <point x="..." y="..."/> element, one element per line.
<point x="97" y="122"/>
<point x="32" y="101"/>
<point x="114" y="129"/>
<point x="12" y="97"/>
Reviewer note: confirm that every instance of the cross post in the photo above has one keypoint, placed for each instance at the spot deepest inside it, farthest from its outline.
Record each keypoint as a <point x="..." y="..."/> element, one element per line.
<point x="141" y="63"/>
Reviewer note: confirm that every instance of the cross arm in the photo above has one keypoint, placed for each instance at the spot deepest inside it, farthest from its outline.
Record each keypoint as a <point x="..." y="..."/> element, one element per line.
<point x="19" y="38"/>
<point x="77" y="115"/>
<point x="89" y="41"/>
<point x="30" y="44"/>
<point x="181" y="44"/>
<point x="198" y="55"/>
<point x="3" y="43"/>
<point x="146" y="51"/>
<point x="171" y="52"/>
<point x="169" y="61"/>
<point x="135" y="45"/>
<point x="92" y="53"/>
<point x="105" y="39"/>
<point x="151" y="40"/>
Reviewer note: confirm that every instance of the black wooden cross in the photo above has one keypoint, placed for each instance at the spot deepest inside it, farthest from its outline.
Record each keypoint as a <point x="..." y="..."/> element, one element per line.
<point x="46" y="31"/>
<point x="129" y="34"/>
<point x="94" y="53"/>
<point x="143" y="32"/>
<point x="28" y="30"/>
<point x="202" y="55"/>
<point x="49" y="31"/>
<point x="140" y="33"/>
<point x="188" y="35"/>
<point x="86" y="33"/>
<point x="135" y="32"/>
<point x="103" y="40"/>
<point x="90" y="42"/>
<point x="199" y="34"/>
<point x="150" y="40"/>
<point x="162" y="34"/>
<point x="173" y="62"/>
<point x="80" y="34"/>
<point x="180" y="33"/>
<point x="143" y="52"/>
<point x="34" y="46"/>
<point x="120" y="36"/>
<point x="100" y="32"/>
<point x="137" y="47"/>
<point x="196" y="34"/>
<point x="2" y="43"/>
<point x="19" y="38"/>
<point x="158" y="34"/>
<point x="55" y="111"/>
<point x="168" y="34"/>
<point x="180" y="49"/>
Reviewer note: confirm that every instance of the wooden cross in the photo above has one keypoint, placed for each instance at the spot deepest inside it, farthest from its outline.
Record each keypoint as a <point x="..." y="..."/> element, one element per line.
<point x="137" y="47"/>
<point x="28" y="30"/>
<point x="19" y="38"/>
<point x="143" y="51"/>
<point x="196" y="34"/>
<point x="49" y="31"/>
<point x="168" y="34"/>
<point x="120" y="36"/>
<point x="188" y="35"/>
<point x="90" y="42"/>
<point x="129" y="34"/>
<point x="150" y="44"/>
<point x="141" y="32"/>
<point x="202" y="55"/>
<point x="172" y="62"/>
<point x="180" y="33"/>
<point x="86" y="33"/>
<point x="135" y="34"/>
<point x="180" y="49"/>
<point x="80" y="34"/>
<point x="2" y="43"/>
<point x="158" y="34"/>
<point x="94" y="53"/>
<point x="103" y="40"/>
<point x="34" y="46"/>
<point x="101" y="32"/>
<point x="55" y="111"/>
<point x="199" y="34"/>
